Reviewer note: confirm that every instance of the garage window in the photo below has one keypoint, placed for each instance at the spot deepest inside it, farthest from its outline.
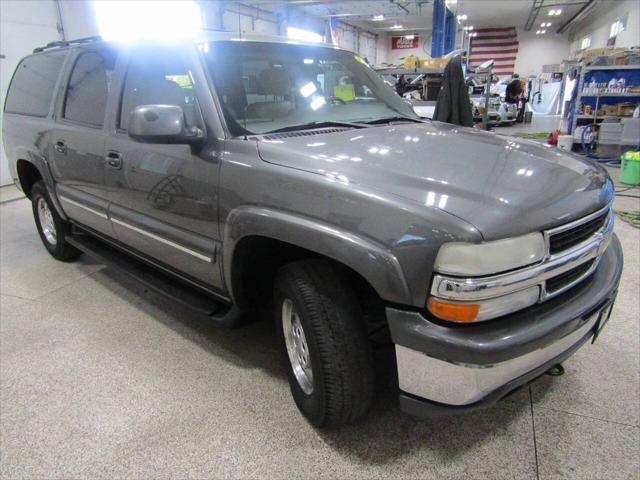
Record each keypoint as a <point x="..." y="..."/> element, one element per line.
<point x="33" y="83"/>
<point x="88" y="90"/>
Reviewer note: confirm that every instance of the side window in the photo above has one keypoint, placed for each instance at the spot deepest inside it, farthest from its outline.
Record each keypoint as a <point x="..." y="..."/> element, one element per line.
<point x="88" y="90"/>
<point x="158" y="78"/>
<point x="32" y="86"/>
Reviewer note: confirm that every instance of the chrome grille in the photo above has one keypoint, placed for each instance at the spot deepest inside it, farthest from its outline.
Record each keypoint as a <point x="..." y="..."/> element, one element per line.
<point x="568" y="278"/>
<point x="557" y="273"/>
<point x="566" y="238"/>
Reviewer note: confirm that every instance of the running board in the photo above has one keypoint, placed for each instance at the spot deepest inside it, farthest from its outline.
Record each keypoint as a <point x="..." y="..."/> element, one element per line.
<point x="156" y="280"/>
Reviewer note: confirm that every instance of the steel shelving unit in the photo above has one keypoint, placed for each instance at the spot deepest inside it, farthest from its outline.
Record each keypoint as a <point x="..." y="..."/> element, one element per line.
<point x="585" y="76"/>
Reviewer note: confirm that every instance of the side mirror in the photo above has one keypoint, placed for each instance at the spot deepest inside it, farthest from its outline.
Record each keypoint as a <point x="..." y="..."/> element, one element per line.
<point x="161" y="124"/>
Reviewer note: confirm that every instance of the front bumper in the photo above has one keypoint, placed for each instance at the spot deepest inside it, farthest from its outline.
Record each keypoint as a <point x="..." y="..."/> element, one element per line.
<point x="446" y="369"/>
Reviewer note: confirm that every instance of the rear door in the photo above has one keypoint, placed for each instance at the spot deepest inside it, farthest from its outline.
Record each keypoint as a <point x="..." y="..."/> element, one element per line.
<point x="164" y="197"/>
<point x="78" y="141"/>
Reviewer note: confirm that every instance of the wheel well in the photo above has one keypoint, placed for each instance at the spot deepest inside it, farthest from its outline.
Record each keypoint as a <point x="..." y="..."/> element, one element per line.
<point x="28" y="174"/>
<point x="256" y="261"/>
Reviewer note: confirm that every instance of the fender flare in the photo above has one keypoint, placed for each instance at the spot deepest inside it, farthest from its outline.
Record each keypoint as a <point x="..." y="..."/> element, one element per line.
<point x="373" y="261"/>
<point x="41" y="164"/>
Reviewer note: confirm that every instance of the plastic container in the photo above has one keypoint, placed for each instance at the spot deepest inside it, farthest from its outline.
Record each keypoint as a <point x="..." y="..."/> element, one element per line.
<point x="565" y="142"/>
<point x="630" y="168"/>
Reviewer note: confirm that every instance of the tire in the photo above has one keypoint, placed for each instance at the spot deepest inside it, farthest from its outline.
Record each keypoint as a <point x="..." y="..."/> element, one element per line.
<point x="340" y="386"/>
<point x="52" y="229"/>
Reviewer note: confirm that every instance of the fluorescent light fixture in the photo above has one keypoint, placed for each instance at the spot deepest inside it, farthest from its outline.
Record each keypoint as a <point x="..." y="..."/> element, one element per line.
<point x="555" y="12"/>
<point x="470" y="27"/>
<point x="378" y="18"/>
<point x="134" y="20"/>
<point x="559" y="11"/>
<point x="304" y="35"/>
<point x="462" y="17"/>
<point x="396" y="26"/>
<point x="317" y="102"/>
<point x="308" y="89"/>
<point x="543" y="32"/>
<point x="308" y="61"/>
<point x="537" y="32"/>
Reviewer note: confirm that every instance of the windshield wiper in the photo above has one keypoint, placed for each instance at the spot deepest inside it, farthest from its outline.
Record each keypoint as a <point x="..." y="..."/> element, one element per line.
<point x="310" y="125"/>
<point x="393" y="119"/>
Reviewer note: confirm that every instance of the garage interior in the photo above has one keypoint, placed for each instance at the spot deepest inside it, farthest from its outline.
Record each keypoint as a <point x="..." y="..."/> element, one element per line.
<point x="100" y="377"/>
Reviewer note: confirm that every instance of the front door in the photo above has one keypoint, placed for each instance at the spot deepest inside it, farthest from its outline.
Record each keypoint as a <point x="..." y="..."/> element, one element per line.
<point x="78" y="140"/>
<point x="164" y="197"/>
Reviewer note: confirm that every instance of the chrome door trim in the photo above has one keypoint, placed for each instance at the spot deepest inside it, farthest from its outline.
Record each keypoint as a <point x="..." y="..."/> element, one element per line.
<point x="84" y="207"/>
<point x="177" y="246"/>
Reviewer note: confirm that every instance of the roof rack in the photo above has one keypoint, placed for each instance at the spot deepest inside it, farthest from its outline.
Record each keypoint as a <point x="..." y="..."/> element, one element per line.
<point x="67" y="43"/>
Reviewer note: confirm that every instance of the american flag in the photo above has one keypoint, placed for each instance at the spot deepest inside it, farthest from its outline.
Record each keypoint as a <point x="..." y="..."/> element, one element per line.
<point x="499" y="44"/>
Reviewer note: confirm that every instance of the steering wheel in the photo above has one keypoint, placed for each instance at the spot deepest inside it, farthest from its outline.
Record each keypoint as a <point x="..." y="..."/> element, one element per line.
<point x="337" y="100"/>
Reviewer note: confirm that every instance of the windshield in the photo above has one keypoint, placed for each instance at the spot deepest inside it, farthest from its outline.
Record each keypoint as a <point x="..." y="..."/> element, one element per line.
<point x="264" y="87"/>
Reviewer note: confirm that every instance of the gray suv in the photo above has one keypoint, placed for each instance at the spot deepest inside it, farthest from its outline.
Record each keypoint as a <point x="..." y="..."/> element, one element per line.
<point x="244" y="175"/>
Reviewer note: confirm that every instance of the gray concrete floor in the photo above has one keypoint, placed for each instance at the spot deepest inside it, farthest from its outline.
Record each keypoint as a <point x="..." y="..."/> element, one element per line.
<point x="101" y="379"/>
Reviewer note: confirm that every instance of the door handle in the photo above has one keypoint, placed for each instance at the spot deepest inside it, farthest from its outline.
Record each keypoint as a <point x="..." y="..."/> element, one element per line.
<point x="61" y="147"/>
<point x="114" y="159"/>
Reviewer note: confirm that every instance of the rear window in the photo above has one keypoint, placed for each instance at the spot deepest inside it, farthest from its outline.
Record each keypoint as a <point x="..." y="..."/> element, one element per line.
<point x="32" y="85"/>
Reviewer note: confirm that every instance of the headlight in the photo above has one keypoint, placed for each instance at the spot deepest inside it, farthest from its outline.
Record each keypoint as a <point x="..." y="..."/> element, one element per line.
<point x="490" y="257"/>
<point x="466" y="260"/>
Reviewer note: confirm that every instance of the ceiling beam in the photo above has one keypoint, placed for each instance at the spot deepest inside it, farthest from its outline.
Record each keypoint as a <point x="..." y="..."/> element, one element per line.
<point x="533" y="14"/>
<point x="579" y="15"/>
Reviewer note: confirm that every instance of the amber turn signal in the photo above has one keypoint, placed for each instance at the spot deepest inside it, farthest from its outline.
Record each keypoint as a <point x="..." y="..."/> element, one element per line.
<point x="453" y="311"/>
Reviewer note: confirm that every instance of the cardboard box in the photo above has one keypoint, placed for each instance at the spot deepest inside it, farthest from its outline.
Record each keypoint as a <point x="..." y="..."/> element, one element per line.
<point x="411" y="61"/>
<point x="626" y="109"/>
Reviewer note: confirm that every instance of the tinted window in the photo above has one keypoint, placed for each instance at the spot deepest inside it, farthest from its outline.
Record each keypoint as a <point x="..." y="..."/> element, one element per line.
<point x="32" y="86"/>
<point x="88" y="90"/>
<point x="158" y="77"/>
<point x="264" y="87"/>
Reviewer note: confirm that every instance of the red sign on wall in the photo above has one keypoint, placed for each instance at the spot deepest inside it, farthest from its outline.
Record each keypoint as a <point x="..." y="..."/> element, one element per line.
<point x="403" y="42"/>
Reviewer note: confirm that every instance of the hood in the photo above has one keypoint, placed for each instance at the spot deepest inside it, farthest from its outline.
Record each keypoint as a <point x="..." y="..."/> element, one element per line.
<point x="504" y="186"/>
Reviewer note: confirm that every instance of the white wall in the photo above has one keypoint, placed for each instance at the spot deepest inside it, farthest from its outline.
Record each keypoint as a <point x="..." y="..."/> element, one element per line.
<point x="598" y="24"/>
<point x="396" y="56"/>
<point x="534" y="51"/>
<point x="23" y="27"/>
<point x="78" y="19"/>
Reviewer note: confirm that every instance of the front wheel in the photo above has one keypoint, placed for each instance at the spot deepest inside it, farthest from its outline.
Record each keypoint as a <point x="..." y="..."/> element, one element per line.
<point x="326" y="350"/>
<point x="52" y="229"/>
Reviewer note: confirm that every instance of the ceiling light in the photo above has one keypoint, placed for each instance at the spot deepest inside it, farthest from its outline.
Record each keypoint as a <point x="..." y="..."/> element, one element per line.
<point x="470" y="27"/>
<point x="537" y="32"/>
<point x="558" y="12"/>
<point x="396" y="26"/>
<point x="409" y="37"/>
<point x="136" y="20"/>
<point x="377" y="18"/>
<point x="543" y="31"/>
<point x="462" y="17"/>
